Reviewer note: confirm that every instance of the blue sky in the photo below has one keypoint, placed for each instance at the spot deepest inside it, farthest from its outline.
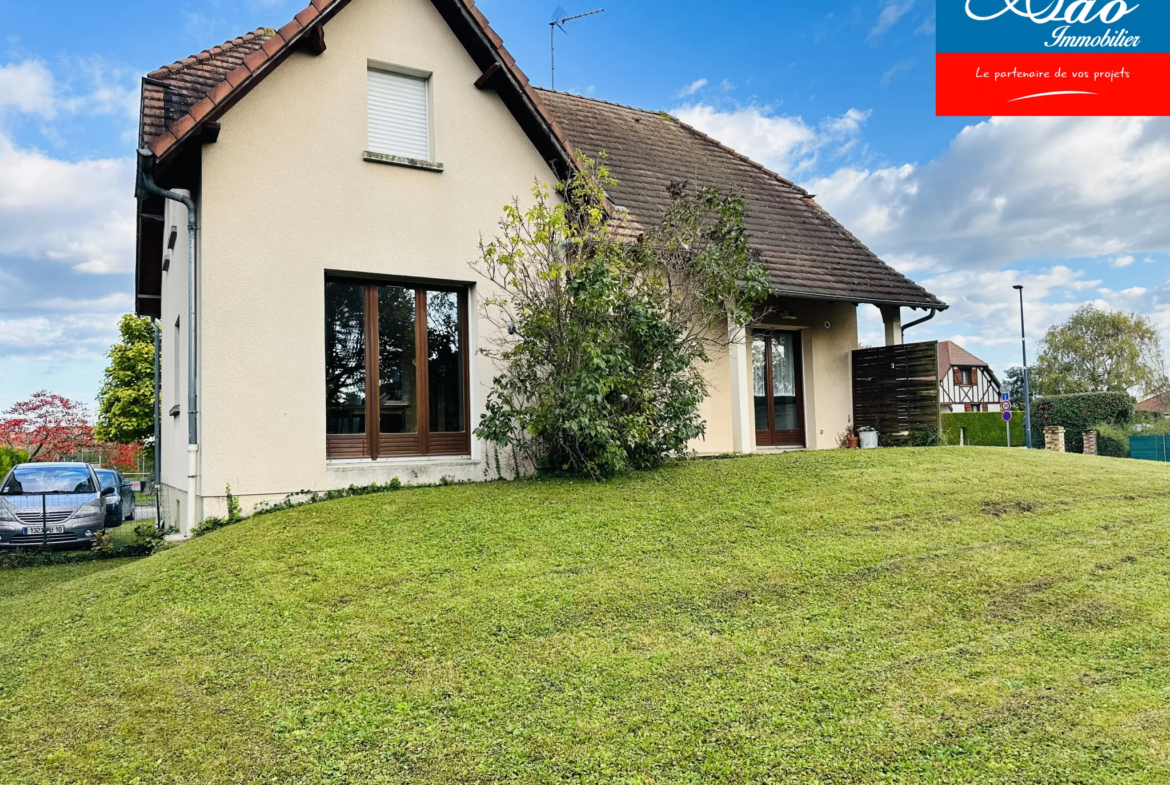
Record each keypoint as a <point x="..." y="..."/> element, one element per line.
<point x="835" y="95"/>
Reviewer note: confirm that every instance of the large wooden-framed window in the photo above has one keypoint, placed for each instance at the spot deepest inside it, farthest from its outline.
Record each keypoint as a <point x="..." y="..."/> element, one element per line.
<point x="396" y="370"/>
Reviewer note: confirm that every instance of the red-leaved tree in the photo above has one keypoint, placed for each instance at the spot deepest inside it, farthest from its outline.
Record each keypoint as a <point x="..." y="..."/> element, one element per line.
<point x="50" y="427"/>
<point x="123" y="457"/>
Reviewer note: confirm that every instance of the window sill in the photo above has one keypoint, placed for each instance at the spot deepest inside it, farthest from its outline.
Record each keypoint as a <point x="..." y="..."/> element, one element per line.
<point x="398" y="160"/>
<point x="407" y="459"/>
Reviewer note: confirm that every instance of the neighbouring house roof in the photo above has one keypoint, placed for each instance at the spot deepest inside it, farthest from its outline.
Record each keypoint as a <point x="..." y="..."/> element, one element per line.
<point x="1156" y="403"/>
<point x="951" y="354"/>
<point x="806" y="251"/>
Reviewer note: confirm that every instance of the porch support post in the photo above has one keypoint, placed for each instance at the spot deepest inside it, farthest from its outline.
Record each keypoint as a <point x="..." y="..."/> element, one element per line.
<point x="741" y="391"/>
<point x="892" y="316"/>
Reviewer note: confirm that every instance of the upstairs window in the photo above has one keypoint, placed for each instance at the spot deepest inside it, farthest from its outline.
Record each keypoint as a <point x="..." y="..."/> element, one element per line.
<point x="966" y="377"/>
<point x="399" y="114"/>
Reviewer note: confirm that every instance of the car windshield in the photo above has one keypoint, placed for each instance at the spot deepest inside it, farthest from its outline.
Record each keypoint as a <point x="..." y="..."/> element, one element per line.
<point x="48" y="478"/>
<point x="107" y="478"/>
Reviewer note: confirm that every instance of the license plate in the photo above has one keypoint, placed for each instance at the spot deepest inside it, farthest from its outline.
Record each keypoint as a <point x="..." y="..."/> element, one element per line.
<point x="41" y="530"/>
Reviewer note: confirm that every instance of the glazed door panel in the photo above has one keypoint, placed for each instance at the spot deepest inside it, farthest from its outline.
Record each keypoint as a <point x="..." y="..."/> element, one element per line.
<point x="778" y="388"/>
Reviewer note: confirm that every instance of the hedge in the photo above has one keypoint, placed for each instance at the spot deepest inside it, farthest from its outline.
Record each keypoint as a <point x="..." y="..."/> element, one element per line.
<point x="984" y="429"/>
<point x="1079" y="413"/>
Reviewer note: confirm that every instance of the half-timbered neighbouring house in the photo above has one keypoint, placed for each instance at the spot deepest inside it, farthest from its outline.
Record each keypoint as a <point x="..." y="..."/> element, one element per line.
<point x="967" y="384"/>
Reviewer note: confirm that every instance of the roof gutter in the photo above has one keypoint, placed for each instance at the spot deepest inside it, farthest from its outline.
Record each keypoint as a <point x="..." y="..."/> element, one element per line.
<point x="146" y="161"/>
<point x="917" y="322"/>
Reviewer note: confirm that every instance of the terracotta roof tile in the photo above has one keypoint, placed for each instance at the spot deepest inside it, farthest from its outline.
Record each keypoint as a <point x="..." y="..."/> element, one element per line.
<point x="1156" y="403"/>
<point x="307" y="15"/>
<point x="289" y="30"/>
<point x="171" y="91"/>
<point x="805" y="250"/>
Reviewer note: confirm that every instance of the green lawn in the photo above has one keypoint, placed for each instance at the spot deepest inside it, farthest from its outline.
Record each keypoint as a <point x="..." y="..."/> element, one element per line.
<point x="895" y="616"/>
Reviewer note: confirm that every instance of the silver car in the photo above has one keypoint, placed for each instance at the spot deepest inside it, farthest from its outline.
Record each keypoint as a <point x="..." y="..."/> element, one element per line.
<point x="61" y="504"/>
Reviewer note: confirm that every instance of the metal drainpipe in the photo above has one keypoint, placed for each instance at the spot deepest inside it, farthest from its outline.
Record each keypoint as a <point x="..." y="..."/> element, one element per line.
<point x="146" y="179"/>
<point x="158" y="521"/>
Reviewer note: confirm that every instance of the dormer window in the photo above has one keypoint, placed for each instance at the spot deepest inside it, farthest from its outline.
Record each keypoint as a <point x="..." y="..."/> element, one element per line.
<point x="399" y="116"/>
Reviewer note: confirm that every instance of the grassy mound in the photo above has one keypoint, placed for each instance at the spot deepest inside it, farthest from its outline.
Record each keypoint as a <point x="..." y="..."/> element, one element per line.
<point x="943" y="615"/>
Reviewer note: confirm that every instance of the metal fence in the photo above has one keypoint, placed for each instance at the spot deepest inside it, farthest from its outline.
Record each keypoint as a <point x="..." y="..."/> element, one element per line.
<point x="44" y="519"/>
<point x="1150" y="448"/>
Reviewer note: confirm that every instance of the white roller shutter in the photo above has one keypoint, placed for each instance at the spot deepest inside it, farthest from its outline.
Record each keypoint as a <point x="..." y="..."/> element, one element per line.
<point x="398" y="115"/>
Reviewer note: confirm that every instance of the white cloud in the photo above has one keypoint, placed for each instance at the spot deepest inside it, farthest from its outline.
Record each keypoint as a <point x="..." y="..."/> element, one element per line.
<point x="692" y="88"/>
<point x="891" y="13"/>
<point x="1121" y="261"/>
<point x="77" y="214"/>
<point x="105" y="89"/>
<point x="116" y="302"/>
<point x="27" y="87"/>
<point x="1017" y="188"/>
<point x="63" y="337"/>
<point x="897" y="69"/>
<point x="786" y="144"/>
<point x="928" y="24"/>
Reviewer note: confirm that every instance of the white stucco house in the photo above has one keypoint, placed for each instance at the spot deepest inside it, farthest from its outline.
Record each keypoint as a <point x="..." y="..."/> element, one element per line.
<point x="342" y="170"/>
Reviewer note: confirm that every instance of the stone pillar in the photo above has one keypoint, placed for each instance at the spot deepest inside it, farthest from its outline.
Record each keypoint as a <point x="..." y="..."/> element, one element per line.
<point x="1054" y="438"/>
<point x="1090" y="443"/>
<point x="892" y="316"/>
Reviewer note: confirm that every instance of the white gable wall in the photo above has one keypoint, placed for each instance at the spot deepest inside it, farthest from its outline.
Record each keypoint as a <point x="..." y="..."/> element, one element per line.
<point x="287" y="196"/>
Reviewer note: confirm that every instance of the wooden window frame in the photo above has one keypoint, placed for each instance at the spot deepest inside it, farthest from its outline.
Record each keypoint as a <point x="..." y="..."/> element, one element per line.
<point x="375" y="445"/>
<point x="768" y="436"/>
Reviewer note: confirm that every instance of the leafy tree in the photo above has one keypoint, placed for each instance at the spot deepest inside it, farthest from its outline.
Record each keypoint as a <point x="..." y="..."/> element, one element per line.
<point x="49" y="427"/>
<point x="602" y="333"/>
<point x="1013" y="384"/>
<point x="126" y="398"/>
<point x="1101" y="351"/>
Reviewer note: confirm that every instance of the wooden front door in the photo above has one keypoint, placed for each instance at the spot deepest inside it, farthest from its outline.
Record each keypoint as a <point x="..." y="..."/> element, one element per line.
<point x="778" y="387"/>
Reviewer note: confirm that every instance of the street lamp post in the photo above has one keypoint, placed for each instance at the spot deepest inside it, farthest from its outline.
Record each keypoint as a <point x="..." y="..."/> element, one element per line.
<point x="1027" y="393"/>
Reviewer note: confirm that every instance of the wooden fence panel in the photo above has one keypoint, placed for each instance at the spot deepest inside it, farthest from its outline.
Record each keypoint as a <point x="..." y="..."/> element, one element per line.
<point x="895" y="389"/>
<point x="1150" y="448"/>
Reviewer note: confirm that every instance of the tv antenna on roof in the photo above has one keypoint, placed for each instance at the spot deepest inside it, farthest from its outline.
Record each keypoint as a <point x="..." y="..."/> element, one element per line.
<point x="558" y="20"/>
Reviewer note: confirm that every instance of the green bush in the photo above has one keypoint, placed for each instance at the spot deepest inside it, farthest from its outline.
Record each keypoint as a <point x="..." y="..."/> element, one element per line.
<point x="9" y="457"/>
<point x="984" y="429"/>
<point x="603" y="369"/>
<point x="1113" y="440"/>
<point x="1079" y="413"/>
